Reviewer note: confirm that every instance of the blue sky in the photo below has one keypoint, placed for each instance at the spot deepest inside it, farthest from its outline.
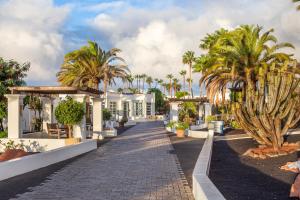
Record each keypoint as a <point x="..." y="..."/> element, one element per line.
<point x="153" y="35"/>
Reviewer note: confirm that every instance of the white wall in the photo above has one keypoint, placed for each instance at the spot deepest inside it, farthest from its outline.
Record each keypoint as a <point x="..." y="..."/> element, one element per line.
<point x="29" y="163"/>
<point x="36" y="145"/>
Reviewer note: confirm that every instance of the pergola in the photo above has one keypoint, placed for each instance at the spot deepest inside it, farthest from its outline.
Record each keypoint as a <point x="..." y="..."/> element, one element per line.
<point x="48" y="94"/>
<point x="204" y="106"/>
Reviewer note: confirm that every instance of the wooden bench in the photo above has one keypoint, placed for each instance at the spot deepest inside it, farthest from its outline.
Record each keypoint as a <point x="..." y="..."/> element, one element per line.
<point x="54" y="129"/>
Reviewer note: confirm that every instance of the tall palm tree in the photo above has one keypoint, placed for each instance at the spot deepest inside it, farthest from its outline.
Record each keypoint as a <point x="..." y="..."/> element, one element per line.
<point x="296" y="1"/>
<point x="156" y="82"/>
<point x="175" y="84"/>
<point x="130" y="79"/>
<point x="164" y="85"/>
<point x="250" y="63"/>
<point x="189" y="58"/>
<point x="89" y="65"/>
<point x="170" y="76"/>
<point x="137" y="81"/>
<point x="143" y="77"/>
<point x="149" y="81"/>
<point x="183" y="73"/>
<point x="160" y="82"/>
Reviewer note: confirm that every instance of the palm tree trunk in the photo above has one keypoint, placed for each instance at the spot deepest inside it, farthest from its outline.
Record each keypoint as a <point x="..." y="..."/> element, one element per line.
<point x="170" y="88"/>
<point x="190" y="81"/>
<point x="104" y="87"/>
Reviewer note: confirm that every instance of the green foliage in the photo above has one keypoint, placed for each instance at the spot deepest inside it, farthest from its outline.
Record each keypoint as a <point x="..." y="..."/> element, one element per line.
<point x="3" y="134"/>
<point x="159" y="100"/>
<point x="263" y="79"/>
<point x="181" y="94"/>
<point x="69" y="112"/>
<point x="171" y="124"/>
<point x="181" y="125"/>
<point x="89" y="65"/>
<point x="210" y="118"/>
<point x="124" y="119"/>
<point x="3" y="110"/>
<point x="106" y="114"/>
<point x="187" y="111"/>
<point x="234" y="124"/>
<point x="11" y="74"/>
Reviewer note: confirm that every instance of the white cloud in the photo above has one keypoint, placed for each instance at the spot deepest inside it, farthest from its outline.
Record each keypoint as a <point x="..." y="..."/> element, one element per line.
<point x="153" y="41"/>
<point x="105" y="6"/>
<point x="30" y="32"/>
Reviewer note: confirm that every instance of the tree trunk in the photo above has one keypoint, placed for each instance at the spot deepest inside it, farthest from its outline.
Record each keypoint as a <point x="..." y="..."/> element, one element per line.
<point x="170" y="88"/>
<point x="190" y="81"/>
<point x="105" y="86"/>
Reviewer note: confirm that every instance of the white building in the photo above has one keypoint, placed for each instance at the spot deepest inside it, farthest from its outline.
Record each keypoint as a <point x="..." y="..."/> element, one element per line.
<point x="134" y="106"/>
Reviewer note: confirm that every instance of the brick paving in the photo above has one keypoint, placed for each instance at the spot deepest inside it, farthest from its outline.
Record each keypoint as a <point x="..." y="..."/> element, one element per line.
<point x="137" y="165"/>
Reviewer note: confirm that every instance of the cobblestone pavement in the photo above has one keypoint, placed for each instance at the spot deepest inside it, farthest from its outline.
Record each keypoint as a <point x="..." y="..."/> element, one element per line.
<point x="139" y="165"/>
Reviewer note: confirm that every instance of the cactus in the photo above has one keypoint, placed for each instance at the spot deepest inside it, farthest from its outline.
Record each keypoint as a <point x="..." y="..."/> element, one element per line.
<point x="270" y="107"/>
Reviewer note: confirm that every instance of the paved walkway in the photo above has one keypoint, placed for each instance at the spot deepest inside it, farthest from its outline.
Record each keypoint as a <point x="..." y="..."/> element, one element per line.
<point x="139" y="165"/>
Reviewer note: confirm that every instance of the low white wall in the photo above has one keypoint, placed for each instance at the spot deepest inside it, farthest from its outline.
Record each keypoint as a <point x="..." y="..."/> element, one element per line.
<point x="197" y="134"/>
<point x="203" y="187"/>
<point x="36" y="145"/>
<point x="29" y="163"/>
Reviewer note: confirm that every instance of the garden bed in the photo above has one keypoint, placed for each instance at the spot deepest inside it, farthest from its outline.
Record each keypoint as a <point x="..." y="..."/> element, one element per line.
<point x="240" y="177"/>
<point x="187" y="150"/>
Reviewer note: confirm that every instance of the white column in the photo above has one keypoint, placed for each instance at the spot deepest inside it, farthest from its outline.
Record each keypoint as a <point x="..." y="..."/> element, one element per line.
<point x="97" y="115"/>
<point x="145" y="108"/>
<point x="14" y="110"/>
<point x="153" y="104"/>
<point x="201" y="111"/>
<point x="79" y="130"/>
<point x="207" y="109"/>
<point x="47" y="112"/>
<point x="174" y="111"/>
<point x="130" y="109"/>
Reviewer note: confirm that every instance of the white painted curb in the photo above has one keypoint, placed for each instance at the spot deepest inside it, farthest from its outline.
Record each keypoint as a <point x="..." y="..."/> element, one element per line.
<point x="203" y="187"/>
<point x="29" y="163"/>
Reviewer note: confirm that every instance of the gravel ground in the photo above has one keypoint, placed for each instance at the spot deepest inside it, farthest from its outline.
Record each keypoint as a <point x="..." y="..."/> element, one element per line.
<point x="239" y="177"/>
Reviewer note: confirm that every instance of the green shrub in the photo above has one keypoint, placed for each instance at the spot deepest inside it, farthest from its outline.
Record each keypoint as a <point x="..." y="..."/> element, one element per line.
<point x="181" y="125"/>
<point x="210" y="118"/>
<point x="171" y="124"/>
<point x="69" y="112"/>
<point x="3" y="134"/>
<point x="181" y="94"/>
<point x="11" y="145"/>
<point x="106" y="114"/>
<point x="234" y="124"/>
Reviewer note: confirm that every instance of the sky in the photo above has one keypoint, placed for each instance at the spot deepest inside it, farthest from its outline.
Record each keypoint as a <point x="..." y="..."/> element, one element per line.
<point x="153" y="35"/>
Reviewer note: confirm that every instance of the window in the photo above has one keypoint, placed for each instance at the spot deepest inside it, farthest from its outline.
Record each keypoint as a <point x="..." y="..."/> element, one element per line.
<point x="113" y="108"/>
<point x="138" y="108"/>
<point x="126" y="108"/>
<point x="148" y="108"/>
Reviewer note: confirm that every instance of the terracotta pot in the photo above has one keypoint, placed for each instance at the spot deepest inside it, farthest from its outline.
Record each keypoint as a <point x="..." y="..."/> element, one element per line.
<point x="180" y="133"/>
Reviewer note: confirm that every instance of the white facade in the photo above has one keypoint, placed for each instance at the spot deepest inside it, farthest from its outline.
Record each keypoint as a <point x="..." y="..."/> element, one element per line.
<point x="135" y="106"/>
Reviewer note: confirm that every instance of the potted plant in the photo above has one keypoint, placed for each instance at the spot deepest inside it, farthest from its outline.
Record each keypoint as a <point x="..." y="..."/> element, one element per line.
<point x="170" y="126"/>
<point x="180" y="129"/>
<point x="69" y="112"/>
<point x="123" y="121"/>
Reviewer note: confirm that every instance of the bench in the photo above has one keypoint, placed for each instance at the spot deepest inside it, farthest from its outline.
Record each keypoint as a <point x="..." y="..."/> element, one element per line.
<point x="54" y="129"/>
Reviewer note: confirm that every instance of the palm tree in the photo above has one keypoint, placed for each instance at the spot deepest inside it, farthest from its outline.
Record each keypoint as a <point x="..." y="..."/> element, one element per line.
<point x="156" y="82"/>
<point x="250" y="63"/>
<point x="164" y="85"/>
<point x="170" y="76"/>
<point x="160" y="82"/>
<point x="149" y="81"/>
<point x="189" y="58"/>
<point x="89" y="65"/>
<point x="137" y="81"/>
<point x="143" y="77"/>
<point x="130" y="79"/>
<point x="296" y="1"/>
<point x="175" y="84"/>
<point x="183" y="73"/>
